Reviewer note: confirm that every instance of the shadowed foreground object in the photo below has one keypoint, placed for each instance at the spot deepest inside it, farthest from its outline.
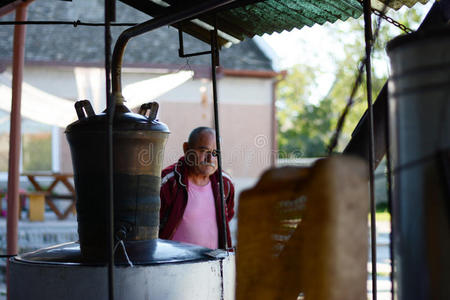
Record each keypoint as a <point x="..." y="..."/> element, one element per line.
<point x="304" y="230"/>
<point x="419" y="107"/>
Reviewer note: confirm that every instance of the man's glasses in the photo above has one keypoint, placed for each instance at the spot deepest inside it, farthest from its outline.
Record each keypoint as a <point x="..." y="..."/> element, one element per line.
<point x="206" y="151"/>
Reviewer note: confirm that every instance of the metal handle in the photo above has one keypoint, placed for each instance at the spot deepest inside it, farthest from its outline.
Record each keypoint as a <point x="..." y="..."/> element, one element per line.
<point x="84" y="109"/>
<point x="150" y="106"/>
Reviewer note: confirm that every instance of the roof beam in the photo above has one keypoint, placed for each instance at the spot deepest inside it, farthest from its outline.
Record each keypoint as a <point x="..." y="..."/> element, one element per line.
<point x="201" y="32"/>
<point x="7" y="6"/>
<point x="154" y="10"/>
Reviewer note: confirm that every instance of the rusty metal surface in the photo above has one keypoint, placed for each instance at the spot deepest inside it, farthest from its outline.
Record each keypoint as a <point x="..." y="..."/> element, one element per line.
<point x="305" y="230"/>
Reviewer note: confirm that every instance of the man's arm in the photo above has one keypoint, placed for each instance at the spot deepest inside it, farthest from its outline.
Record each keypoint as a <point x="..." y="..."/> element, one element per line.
<point x="166" y="196"/>
<point x="230" y="202"/>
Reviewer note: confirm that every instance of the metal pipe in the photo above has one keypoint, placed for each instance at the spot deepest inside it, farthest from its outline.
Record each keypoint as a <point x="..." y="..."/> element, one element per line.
<point x="214" y="64"/>
<point x="112" y="12"/>
<point x="73" y="23"/>
<point x="169" y="19"/>
<point x="110" y="104"/>
<point x="390" y="196"/>
<point x="181" y="49"/>
<point x="15" y="133"/>
<point x="369" y="41"/>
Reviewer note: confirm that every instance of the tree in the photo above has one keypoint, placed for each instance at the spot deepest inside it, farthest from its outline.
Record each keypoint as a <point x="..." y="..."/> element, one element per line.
<point x="305" y="127"/>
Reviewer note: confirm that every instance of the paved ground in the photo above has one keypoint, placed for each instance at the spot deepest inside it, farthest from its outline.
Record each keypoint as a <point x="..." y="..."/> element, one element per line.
<point x="383" y="264"/>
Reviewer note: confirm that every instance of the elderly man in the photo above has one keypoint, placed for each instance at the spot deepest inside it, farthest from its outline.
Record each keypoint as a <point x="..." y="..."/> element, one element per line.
<point x="190" y="195"/>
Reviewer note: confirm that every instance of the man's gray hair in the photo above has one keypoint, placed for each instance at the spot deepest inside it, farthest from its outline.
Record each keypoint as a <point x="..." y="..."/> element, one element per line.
<point x="195" y="134"/>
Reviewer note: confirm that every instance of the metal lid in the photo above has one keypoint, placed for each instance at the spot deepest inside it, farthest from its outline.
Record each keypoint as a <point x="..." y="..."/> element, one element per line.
<point x="124" y="119"/>
<point x="418" y="36"/>
<point x="149" y="252"/>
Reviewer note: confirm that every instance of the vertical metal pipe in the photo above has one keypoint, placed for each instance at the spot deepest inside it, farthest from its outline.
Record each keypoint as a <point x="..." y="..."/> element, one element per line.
<point x="214" y="52"/>
<point x="369" y="41"/>
<point x="112" y="11"/>
<point x="390" y="197"/>
<point x="110" y="115"/>
<point x="15" y="134"/>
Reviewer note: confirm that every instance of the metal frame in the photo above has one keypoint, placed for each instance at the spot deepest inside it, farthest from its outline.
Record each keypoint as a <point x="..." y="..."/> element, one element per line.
<point x="214" y="65"/>
<point x="373" y="226"/>
<point x="110" y="8"/>
<point x="214" y="52"/>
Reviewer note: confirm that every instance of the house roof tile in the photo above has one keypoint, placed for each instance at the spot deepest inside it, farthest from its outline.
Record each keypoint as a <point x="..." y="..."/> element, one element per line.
<point x="66" y="44"/>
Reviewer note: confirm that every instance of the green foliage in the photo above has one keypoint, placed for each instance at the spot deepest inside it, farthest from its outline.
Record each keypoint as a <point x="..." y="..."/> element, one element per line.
<point x="305" y="128"/>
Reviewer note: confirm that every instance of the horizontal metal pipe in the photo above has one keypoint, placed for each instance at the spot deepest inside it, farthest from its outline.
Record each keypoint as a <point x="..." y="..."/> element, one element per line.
<point x="73" y="23"/>
<point x="169" y="19"/>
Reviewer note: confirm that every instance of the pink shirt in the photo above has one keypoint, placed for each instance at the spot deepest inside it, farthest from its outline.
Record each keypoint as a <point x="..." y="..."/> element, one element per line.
<point x="199" y="223"/>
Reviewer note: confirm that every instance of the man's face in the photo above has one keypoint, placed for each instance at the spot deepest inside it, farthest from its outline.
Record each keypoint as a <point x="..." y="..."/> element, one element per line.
<point x="201" y="157"/>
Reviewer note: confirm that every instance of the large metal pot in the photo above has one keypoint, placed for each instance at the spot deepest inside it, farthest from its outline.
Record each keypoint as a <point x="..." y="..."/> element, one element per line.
<point x="419" y="104"/>
<point x="138" y="147"/>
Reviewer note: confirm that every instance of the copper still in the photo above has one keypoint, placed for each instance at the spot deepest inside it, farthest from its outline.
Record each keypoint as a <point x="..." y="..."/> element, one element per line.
<point x="139" y="141"/>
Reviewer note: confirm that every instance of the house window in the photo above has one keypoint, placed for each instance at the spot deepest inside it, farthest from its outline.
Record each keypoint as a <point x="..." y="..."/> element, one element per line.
<point x="4" y="148"/>
<point x="36" y="152"/>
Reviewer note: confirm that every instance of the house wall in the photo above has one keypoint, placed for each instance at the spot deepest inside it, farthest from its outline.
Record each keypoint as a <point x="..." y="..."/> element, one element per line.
<point x="244" y="112"/>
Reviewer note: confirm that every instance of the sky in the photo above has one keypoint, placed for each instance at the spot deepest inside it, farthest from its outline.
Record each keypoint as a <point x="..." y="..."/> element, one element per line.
<point x="307" y="46"/>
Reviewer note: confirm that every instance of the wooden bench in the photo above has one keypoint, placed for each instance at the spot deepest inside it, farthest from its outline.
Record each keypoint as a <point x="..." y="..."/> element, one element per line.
<point x="49" y="195"/>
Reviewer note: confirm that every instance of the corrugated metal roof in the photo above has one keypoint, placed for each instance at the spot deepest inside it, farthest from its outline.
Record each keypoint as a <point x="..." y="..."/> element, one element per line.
<point x="248" y="18"/>
<point x="277" y="15"/>
<point x="396" y="4"/>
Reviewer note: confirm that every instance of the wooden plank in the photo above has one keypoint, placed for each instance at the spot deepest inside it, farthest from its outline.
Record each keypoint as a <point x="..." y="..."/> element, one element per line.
<point x="36" y="207"/>
<point x="325" y="257"/>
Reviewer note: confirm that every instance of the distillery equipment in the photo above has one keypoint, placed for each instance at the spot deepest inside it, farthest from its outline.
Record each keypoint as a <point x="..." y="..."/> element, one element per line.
<point x="419" y="107"/>
<point x="146" y="267"/>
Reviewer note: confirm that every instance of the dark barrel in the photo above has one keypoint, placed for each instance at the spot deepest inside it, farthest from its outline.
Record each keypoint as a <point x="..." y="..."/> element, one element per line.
<point x="138" y="148"/>
<point x="419" y="104"/>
